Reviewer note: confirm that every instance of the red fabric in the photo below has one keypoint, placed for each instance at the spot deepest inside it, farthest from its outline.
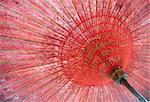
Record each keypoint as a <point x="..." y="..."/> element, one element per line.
<point x="65" y="50"/>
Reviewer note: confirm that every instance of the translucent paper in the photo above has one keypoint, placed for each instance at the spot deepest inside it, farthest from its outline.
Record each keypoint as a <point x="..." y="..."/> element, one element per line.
<point x="65" y="50"/>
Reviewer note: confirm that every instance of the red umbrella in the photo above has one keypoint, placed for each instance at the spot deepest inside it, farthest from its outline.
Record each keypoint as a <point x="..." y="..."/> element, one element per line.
<point x="74" y="50"/>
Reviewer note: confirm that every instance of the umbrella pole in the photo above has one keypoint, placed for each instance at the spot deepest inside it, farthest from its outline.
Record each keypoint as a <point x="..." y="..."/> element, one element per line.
<point x="120" y="77"/>
<point x="132" y="90"/>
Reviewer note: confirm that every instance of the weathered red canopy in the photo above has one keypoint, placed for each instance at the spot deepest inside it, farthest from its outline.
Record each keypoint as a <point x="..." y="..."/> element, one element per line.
<point x="66" y="50"/>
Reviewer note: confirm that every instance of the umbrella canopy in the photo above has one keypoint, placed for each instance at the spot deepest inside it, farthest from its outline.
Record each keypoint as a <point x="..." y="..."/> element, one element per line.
<point x="66" y="50"/>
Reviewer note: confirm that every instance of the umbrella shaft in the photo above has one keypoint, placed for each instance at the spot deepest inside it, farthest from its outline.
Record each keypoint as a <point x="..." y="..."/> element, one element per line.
<point x="135" y="92"/>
